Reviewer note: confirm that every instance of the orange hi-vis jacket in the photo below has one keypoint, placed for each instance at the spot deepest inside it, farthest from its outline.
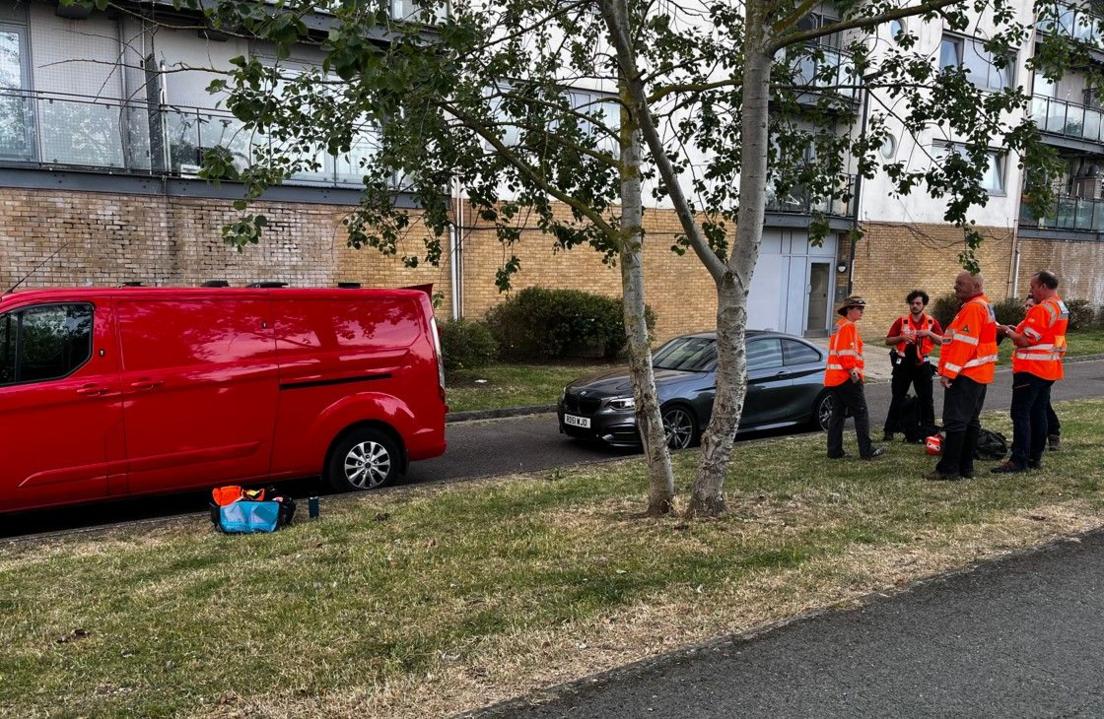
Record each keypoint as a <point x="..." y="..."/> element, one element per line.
<point x="970" y="342"/>
<point x="845" y="353"/>
<point x="1045" y="326"/>
<point x="924" y="348"/>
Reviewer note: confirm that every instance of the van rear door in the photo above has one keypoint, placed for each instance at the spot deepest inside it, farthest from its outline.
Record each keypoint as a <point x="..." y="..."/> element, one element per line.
<point x="200" y="379"/>
<point x="61" y="419"/>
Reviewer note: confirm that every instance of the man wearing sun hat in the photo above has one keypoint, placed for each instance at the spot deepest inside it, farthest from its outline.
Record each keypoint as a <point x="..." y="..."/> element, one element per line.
<point x="844" y="379"/>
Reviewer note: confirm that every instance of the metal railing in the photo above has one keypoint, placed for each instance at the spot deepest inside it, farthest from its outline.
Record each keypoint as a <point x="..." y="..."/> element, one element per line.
<point x="1069" y="213"/>
<point x="63" y="130"/>
<point x="1075" y="23"/>
<point x="1062" y="117"/>
<point x="191" y="131"/>
<point x="800" y="201"/>
<point x="71" y="130"/>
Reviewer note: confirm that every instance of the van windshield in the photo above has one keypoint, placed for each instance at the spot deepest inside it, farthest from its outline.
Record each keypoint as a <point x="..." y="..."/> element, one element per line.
<point x="691" y="354"/>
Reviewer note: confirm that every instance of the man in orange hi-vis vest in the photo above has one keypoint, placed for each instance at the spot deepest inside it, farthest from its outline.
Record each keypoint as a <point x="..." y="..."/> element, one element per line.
<point x="967" y="362"/>
<point x="1036" y="365"/>
<point x="844" y="378"/>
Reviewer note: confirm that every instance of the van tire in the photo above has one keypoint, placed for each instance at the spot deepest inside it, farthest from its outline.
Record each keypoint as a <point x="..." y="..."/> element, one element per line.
<point x="364" y="458"/>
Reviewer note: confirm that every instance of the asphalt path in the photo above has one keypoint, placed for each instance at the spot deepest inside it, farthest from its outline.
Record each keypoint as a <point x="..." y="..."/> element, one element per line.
<point x="501" y="446"/>
<point x="1016" y="638"/>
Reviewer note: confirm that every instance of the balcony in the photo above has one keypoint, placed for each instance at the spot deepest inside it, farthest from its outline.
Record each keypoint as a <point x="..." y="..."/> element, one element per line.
<point x="800" y="201"/>
<point x="71" y="132"/>
<point x="1083" y="126"/>
<point x="1070" y="214"/>
<point x="833" y="73"/>
<point x="1075" y="23"/>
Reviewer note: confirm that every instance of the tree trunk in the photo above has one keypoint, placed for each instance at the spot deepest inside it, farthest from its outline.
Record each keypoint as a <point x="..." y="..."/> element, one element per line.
<point x="732" y="290"/>
<point x="661" y="481"/>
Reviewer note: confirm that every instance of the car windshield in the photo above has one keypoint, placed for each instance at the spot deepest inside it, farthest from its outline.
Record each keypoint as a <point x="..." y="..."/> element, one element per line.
<point x="693" y="354"/>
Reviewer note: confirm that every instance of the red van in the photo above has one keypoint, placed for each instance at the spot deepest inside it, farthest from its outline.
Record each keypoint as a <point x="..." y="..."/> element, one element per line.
<point x="107" y="393"/>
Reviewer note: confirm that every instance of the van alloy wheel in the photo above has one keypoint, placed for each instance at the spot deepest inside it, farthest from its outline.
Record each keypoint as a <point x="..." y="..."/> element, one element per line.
<point x="367" y="465"/>
<point x="678" y="423"/>
<point x="363" y="458"/>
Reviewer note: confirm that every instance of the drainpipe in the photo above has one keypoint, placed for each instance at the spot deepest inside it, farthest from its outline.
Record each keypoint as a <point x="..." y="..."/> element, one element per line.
<point x="455" y="274"/>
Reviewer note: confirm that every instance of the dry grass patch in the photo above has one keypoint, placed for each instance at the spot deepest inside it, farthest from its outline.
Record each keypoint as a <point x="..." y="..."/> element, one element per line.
<point x="439" y="599"/>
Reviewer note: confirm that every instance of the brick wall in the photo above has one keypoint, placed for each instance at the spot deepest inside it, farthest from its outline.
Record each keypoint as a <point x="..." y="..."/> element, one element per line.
<point x="678" y="288"/>
<point x="892" y="259"/>
<point x="1080" y="267"/>
<point x="114" y="238"/>
<point x="161" y="240"/>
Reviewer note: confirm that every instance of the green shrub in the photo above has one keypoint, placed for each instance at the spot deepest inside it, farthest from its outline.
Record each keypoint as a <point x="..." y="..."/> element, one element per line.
<point x="1081" y="314"/>
<point x="467" y="344"/>
<point x="540" y="324"/>
<point x="944" y="308"/>
<point x="1009" y="311"/>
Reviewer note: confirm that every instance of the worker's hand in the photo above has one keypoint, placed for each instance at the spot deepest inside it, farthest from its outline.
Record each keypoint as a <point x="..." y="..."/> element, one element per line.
<point x="946" y="382"/>
<point x="855" y="376"/>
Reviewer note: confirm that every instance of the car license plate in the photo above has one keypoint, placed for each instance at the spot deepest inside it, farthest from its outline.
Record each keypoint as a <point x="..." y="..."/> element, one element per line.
<point x="574" y="421"/>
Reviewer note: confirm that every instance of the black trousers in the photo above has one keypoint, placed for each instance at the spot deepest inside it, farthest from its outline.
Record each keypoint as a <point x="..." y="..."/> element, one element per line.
<point x="919" y="377"/>
<point x="962" y="405"/>
<point x="1054" y="427"/>
<point x="1030" y="402"/>
<point x="849" y="395"/>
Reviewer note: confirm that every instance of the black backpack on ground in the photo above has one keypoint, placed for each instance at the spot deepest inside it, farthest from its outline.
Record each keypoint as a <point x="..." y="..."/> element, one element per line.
<point x="990" y="445"/>
<point x="909" y="424"/>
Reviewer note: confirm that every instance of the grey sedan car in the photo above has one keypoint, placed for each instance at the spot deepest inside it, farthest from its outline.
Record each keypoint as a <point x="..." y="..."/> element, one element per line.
<point x="785" y="389"/>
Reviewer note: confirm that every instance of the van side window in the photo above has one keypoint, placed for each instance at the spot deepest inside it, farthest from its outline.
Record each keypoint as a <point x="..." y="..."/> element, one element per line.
<point x="7" y="350"/>
<point x="44" y="343"/>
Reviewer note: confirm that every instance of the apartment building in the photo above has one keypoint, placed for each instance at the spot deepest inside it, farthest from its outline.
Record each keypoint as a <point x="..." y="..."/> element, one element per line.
<point x="103" y="121"/>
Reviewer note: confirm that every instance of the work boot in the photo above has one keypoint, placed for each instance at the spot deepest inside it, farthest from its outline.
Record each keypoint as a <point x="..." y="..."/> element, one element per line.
<point x="937" y="476"/>
<point x="874" y="452"/>
<point x="1034" y="464"/>
<point x="1054" y="442"/>
<point x="1008" y="467"/>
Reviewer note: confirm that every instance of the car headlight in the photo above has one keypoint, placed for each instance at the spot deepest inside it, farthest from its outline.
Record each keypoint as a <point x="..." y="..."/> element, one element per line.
<point x="622" y="403"/>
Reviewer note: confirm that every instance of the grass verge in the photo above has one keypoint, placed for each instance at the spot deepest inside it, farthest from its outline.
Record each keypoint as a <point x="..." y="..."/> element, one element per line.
<point x="518" y="385"/>
<point x="424" y="601"/>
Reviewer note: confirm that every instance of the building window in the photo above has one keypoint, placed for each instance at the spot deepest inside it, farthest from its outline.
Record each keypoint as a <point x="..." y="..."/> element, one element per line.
<point x="889" y="147"/>
<point x="992" y="179"/>
<point x="970" y="55"/>
<point x="896" y="30"/>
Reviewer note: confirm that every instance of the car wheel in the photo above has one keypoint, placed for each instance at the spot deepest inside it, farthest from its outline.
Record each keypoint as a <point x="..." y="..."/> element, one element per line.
<point x="822" y="410"/>
<point x="365" y="458"/>
<point x="680" y="426"/>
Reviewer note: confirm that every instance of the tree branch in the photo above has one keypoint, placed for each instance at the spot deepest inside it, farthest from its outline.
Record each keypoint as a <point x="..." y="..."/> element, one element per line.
<point x="866" y="22"/>
<point x="505" y="153"/>
<point x="617" y="21"/>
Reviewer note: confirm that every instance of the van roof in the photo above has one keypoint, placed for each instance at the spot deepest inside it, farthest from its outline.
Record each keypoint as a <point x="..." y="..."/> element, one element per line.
<point x="196" y="293"/>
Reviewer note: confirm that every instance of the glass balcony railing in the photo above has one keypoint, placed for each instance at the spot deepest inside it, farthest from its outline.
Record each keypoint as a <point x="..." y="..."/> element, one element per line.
<point x="1061" y="117"/>
<point x="834" y="72"/>
<point x="1076" y="23"/>
<point x="1069" y="213"/>
<point x="799" y="201"/>
<point x="74" y="131"/>
<point x="57" y="130"/>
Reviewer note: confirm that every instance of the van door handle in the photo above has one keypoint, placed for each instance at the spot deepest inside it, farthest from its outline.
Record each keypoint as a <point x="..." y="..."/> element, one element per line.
<point x="91" y="390"/>
<point x="145" y="384"/>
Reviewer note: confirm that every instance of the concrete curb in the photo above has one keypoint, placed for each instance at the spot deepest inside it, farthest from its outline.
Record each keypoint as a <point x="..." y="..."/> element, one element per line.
<point x="472" y="415"/>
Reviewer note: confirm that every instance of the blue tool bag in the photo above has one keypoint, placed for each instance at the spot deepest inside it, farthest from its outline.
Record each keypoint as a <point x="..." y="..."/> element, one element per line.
<point x="252" y="513"/>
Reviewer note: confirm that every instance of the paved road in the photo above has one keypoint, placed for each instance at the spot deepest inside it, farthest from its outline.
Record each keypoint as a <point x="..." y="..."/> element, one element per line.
<point x="1019" y="638"/>
<point x="517" y="444"/>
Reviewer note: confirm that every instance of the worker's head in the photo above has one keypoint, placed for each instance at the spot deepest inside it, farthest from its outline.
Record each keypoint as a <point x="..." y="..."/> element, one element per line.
<point x="917" y="300"/>
<point x="968" y="285"/>
<point x="852" y="308"/>
<point x="1044" y="284"/>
